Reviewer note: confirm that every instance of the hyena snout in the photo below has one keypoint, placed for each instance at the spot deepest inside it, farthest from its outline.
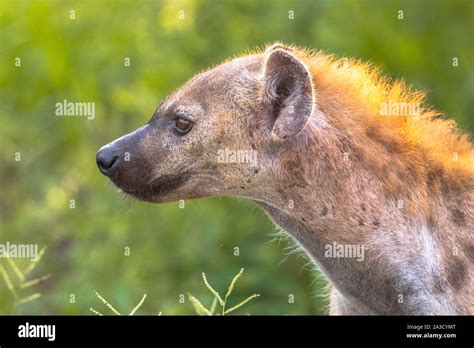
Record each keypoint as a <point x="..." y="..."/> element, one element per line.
<point x="108" y="158"/>
<point x="115" y="156"/>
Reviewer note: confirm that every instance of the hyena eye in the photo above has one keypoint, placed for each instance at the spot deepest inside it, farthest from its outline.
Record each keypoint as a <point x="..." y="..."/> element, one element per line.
<point x="183" y="125"/>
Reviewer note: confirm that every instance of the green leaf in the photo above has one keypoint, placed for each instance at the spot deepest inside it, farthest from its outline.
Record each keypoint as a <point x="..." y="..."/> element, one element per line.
<point x="211" y="289"/>
<point x="241" y="303"/>
<point x="198" y="307"/>
<point x="231" y="287"/>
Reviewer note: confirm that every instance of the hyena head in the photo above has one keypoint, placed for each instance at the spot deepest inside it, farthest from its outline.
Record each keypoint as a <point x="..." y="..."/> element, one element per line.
<point x="219" y="134"/>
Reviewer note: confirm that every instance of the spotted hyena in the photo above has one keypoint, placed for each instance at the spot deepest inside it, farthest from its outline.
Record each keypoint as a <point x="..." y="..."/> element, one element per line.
<point x="371" y="183"/>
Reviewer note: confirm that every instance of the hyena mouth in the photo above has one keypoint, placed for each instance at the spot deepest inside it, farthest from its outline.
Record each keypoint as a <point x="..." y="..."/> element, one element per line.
<point x="160" y="186"/>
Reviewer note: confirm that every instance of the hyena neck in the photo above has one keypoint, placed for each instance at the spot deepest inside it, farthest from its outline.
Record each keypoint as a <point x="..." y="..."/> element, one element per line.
<point x="375" y="255"/>
<point x="313" y="224"/>
<point x="381" y="272"/>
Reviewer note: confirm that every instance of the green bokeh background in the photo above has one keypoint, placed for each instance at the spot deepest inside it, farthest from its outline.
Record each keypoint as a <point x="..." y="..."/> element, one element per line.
<point x="82" y="59"/>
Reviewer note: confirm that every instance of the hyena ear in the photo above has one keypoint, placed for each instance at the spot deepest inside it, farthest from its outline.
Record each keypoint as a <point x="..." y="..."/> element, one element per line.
<point x="288" y="91"/>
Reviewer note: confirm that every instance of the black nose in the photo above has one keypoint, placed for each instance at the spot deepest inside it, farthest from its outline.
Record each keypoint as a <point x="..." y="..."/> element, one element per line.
<point x="107" y="159"/>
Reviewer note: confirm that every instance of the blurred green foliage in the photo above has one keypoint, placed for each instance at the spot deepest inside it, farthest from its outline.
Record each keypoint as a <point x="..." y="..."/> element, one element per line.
<point x="82" y="59"/>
